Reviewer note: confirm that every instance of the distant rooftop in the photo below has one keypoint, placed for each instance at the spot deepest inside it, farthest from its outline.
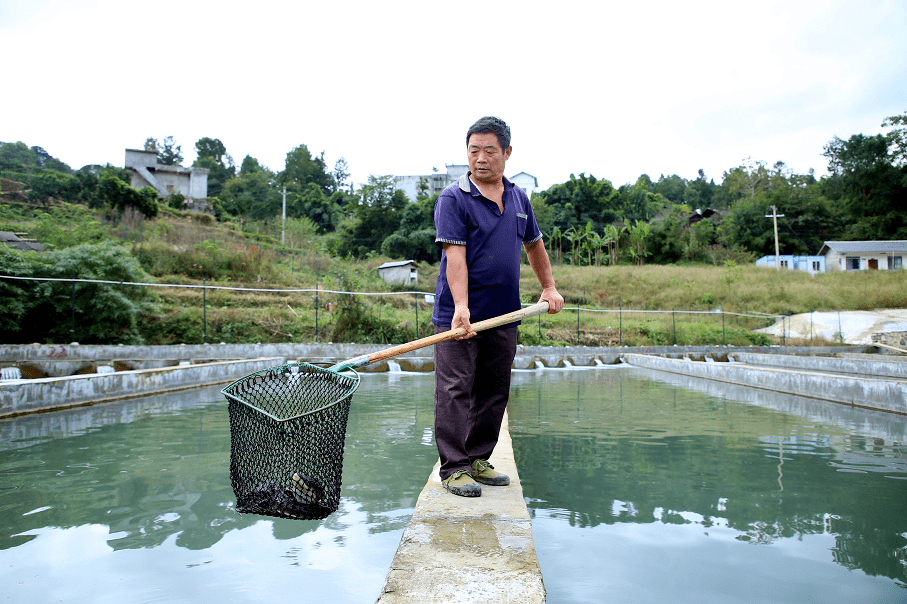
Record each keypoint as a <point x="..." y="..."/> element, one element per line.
<point x="846" y="247"/>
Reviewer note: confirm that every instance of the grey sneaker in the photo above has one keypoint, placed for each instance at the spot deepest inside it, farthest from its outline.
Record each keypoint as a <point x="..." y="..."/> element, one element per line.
<point x="461" y="483"/>
<point x="484" y="472"/>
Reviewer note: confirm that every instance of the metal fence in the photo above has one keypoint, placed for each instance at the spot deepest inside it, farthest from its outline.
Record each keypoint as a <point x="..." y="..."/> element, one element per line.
<point x="587" y="319"/>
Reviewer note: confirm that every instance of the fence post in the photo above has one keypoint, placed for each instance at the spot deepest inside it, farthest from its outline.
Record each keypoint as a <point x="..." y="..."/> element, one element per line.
<point x="416" y="298"/>
<point x="674" y="323"/>
<point x="723" y="333"/>
<point x="316" y="307"/>
<point x="620" y="315"/>
<point x="205" y="310"/>
<point x="72" y="331"/>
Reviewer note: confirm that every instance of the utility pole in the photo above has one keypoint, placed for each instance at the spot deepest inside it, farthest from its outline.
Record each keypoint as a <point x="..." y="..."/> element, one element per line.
<point x="283" y="224"/>
<point x="775" y="216"/>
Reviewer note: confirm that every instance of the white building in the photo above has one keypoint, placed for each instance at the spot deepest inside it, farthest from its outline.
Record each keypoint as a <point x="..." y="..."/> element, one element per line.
<point x="434" y="183"/>
<point x="437" y="182"/>
<point x="864" y="255"/>
<point x="144" y="171"/>
<point x="527" y="182"/>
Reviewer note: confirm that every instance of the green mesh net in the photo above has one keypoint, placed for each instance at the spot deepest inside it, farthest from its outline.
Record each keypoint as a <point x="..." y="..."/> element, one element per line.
<point x="287" y="426"/>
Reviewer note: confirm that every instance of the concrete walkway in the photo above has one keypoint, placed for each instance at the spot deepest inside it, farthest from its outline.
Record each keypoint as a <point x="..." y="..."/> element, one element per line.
<point x="468" y="550"/>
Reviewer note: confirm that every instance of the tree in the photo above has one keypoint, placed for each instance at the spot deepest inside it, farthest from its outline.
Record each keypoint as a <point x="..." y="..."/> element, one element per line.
<point x="47" y="184"/>
<point x="249" y="165"/>
<point x="671" y="188"/>
<point x="746" y="226"/>
<point x="17" y="157"/>
<point x="212" y="154"/>
<point x="592" y="244"/>
<point x="554" y="241"/>
<point x="41" y="155"/>
<point x="376" y="214"/>
<point x="580" y="200"/>
<point x="120" y="195"/>
<point x="667" y="235"/>
<point x="213" y="148"/>
<point x="699" y="193"/>
<point x="639" y="203"/>
<point x="152" y="145"/>
<point x="422" y="187"/>
<point x="872" y="189"/>
<point x="574" y="237"/>
<point x="897" y="138"/>
<point x="301" y="169"/>
<point x="170" y="154"/>
<point x="701" y="235"/>
<point x="340" y="175"/>
<point x="613" y="234"/>
<point x="104" y="313"/>
<point x="252" y="193"/>
<point x="17" y="295"/>
<point x="313" y="204"/>
<point x="638" y="236"/>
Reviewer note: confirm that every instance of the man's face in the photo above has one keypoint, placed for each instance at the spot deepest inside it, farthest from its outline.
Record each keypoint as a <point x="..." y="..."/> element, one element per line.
<point x="486" y="158"/>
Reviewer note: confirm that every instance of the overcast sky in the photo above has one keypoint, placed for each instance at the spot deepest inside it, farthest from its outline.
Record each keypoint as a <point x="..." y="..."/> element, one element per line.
<point x="610" y="89"/>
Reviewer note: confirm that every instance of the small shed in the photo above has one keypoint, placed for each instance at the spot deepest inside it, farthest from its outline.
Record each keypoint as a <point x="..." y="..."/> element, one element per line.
<point x="403" y="271"/>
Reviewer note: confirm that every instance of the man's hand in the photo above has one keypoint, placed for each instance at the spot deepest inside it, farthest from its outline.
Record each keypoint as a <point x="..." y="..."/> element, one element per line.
<point x="553" y="298"/>
<point x="461" y="319"/>
<point x="538" y="260"/>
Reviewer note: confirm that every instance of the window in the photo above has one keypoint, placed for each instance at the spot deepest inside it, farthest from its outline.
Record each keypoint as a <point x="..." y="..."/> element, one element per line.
<point x="895" y="263"/>
<point x="852" y="263"/>
<point x="817" y="266"/>
<point x="784" y="264"/>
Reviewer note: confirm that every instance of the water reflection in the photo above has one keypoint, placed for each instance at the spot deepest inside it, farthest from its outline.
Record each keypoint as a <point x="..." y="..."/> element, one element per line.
<point x="616" y="447"/>
<point x="141" y="490"/>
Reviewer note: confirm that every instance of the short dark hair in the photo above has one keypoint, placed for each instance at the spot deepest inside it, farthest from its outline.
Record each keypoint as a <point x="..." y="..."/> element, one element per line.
<point x="493" y="125"/>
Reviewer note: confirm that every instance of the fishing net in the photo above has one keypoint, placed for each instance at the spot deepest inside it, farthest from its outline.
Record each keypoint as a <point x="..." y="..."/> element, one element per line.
<point x="287" y="426"/>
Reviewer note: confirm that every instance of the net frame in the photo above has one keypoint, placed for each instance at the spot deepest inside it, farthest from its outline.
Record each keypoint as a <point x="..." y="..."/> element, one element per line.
<point x="287" y="429"/>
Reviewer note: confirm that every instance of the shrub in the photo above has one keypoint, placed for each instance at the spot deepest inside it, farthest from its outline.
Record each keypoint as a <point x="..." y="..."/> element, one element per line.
<point x="94" y="313"/>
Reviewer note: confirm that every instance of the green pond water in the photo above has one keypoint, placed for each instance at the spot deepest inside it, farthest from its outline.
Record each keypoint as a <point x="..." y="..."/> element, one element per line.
<point x="642" y="488"/>
<point x="646" y="487"/>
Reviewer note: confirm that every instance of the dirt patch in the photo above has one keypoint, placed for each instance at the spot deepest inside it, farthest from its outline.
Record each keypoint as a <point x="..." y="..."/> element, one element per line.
<point x="846" y="326"/>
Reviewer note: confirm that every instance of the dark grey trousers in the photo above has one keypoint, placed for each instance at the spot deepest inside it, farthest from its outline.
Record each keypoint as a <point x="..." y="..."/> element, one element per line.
<point x="472" y="385"/>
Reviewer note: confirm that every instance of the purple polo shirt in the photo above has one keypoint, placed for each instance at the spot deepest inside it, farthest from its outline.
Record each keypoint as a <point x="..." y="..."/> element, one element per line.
<point x="463" y="216"/>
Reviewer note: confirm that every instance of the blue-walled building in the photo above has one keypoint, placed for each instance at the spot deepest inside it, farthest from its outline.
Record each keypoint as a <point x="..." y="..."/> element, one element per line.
<point x="807" y="264"/>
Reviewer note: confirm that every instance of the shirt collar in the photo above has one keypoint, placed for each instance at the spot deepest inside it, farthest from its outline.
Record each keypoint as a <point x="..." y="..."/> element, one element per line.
<point x="467" y="186"/>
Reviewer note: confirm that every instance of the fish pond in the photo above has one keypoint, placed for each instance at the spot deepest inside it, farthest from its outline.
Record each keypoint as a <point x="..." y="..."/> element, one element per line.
<point x="642" y="487"/>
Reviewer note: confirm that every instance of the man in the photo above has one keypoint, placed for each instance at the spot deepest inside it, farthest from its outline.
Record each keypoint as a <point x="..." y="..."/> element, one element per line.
<point x="481" y="221"/>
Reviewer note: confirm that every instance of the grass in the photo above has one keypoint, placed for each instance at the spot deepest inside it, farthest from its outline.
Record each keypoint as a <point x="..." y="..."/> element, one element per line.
<point x="192" y="249"/>
<point x="733" y="289"/>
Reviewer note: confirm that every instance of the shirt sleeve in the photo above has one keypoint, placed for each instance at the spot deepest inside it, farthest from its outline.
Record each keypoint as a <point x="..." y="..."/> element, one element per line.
<point x="533" y="233"/>
<point x="450" y="221"/>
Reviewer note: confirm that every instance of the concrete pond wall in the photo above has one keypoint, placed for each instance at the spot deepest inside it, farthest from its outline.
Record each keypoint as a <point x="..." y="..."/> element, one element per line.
<point x="60" y="376"/>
